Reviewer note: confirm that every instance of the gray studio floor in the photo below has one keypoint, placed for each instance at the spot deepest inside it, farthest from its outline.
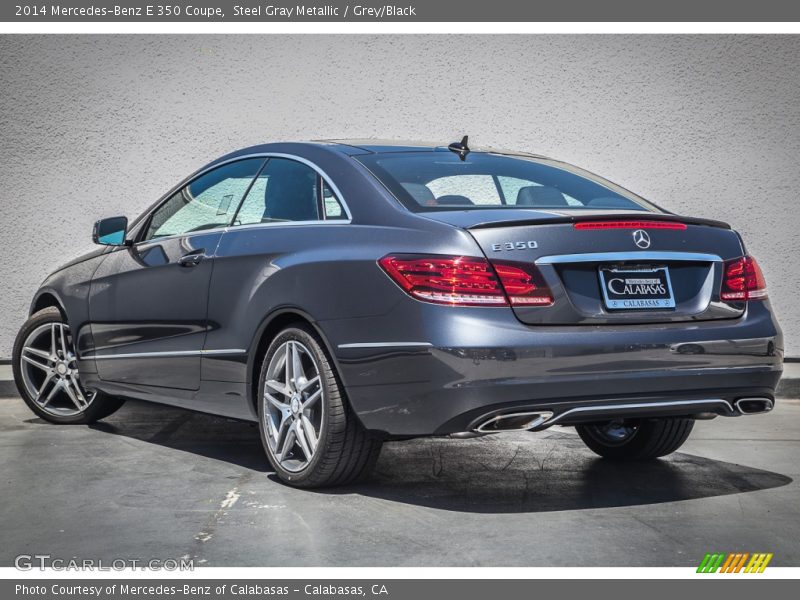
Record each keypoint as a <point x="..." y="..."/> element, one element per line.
<point x="153" y="482"/>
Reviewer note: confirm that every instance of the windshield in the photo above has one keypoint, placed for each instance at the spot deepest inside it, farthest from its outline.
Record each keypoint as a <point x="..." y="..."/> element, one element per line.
<point x="434" y="181"/>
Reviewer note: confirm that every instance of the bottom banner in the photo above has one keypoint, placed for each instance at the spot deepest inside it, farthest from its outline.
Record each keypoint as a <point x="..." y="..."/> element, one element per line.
<point x="396" y="589"/>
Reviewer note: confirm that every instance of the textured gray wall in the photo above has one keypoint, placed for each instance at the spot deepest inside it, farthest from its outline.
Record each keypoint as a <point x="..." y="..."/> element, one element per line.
<point x="101" y="125"/>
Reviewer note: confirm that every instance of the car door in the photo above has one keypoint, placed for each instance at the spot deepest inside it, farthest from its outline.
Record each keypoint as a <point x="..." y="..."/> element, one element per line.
<point x="148" y="302"/>
<point x="282" y="218"/>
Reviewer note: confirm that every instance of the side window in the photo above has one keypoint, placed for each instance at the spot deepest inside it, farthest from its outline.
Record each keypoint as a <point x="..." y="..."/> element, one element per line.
<point x="207" y="202"/>
<point x="285" y="190"/>
<point x="331" y="204"/>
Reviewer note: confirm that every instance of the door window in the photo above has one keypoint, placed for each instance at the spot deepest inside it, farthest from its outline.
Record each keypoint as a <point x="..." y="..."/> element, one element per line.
<point x="207" y="202"/>
<point x="285" y="190"/>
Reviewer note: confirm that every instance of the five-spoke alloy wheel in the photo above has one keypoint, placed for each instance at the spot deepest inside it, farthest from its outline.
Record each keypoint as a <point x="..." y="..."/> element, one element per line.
<point x="310" y="435"/>
<point x="50" y="371"/>
<point x="47" y="376"/>
<point x="293" y="408"/>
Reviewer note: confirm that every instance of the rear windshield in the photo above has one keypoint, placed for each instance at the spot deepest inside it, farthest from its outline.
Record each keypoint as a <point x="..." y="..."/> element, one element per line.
<point x="440" y="180"/>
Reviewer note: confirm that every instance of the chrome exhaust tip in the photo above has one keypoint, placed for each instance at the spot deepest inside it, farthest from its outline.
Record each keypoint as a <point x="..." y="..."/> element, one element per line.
<point x="467" y="435"/>
<point x="523" y="421"/>
<point x="753" y="406"/>
<point x="704" y="416"/>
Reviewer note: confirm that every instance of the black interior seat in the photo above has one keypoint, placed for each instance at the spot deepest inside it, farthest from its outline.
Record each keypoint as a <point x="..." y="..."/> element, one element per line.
<point x="611" y="202"/>
<point x="421" y="193"/>
<point x="454" y="200"/>
<point x="291" y="194"/>
<point x="541" y="196"/>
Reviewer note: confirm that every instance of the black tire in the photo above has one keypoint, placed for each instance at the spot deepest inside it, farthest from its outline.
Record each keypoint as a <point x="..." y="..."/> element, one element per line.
<point x="647" y="438"/>
<point x="345" y="452"/>
<point x="99" y="405"/>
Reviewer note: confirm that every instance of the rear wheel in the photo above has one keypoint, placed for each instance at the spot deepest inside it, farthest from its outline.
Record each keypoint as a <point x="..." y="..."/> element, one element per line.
<point x="310" y="434"/>
<point x="636" y="439"/>
<point x="46" y="373"/>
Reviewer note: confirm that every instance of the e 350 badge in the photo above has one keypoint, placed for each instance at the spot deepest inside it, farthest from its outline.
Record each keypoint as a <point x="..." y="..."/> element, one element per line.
<point x="531" y="244"/>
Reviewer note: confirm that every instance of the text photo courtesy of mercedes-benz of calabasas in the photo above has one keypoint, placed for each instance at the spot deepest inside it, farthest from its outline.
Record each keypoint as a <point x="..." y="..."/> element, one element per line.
<point x="344" y="293"/>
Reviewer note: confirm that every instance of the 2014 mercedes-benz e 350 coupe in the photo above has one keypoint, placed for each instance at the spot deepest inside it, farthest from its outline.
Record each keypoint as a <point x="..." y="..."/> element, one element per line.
<point x="346" y="293"/>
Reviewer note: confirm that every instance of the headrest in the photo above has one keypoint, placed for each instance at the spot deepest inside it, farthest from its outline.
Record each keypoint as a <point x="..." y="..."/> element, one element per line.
<point x="541" y="196"/>
<point x="610" y="202"/>
<point x="291" y="197"/>
<point x="421" y="193"/>
<point x="454" y="200"/>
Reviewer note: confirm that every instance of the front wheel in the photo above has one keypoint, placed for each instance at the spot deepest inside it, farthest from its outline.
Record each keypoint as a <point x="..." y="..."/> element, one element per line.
<point x="46" y="373"/>
<point x="636" y="439"/>
<point x="310" y="434"/>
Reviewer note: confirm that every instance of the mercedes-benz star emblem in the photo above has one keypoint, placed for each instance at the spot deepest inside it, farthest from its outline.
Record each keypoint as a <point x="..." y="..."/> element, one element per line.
<point x="641" y="238"/>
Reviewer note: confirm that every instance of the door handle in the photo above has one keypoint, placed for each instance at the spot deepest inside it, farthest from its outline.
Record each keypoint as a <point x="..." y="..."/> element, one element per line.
<point x="192" y="259"/>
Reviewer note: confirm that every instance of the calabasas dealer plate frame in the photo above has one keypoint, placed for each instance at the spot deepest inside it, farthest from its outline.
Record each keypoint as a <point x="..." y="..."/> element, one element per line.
<point x="641" y="301"/>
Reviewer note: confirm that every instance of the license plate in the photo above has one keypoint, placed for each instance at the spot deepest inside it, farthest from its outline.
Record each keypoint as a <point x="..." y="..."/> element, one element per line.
<point x="637" y="289"/>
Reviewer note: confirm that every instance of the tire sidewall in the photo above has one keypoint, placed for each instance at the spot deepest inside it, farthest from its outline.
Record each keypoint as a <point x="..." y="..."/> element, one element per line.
<point x="640" y="445"/>
<point x="300" y="334"/>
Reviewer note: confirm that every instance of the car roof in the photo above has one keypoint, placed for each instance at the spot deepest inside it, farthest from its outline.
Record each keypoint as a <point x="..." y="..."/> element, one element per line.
<point x="380" y="146"/>
<point x="377" y="146"/>
<point x="354" y="147"/>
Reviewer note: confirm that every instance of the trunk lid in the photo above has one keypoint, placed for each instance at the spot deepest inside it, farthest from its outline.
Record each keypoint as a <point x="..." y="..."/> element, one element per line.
<point x="620" y="268"/>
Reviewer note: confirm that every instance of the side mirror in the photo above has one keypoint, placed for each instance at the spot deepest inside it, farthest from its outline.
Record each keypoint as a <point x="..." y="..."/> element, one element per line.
<point x="111" y="231"/>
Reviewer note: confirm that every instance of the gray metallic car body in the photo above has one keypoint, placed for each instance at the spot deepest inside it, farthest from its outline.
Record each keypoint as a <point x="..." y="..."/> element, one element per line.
<point x="150" y="329"/>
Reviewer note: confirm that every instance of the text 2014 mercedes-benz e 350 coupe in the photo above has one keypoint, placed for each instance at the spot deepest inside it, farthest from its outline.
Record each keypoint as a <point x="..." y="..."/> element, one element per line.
<point x="345" y="293"/>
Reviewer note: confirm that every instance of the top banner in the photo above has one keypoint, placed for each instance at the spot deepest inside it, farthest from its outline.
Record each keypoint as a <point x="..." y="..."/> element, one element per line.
<point x="403" y="11"/>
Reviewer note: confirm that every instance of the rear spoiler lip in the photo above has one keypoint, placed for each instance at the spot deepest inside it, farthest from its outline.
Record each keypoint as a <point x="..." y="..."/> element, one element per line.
<point x="617" y="217"/>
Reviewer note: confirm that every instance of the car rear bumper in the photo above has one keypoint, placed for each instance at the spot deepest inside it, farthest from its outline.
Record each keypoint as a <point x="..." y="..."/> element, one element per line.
<point x="454" y="369"/>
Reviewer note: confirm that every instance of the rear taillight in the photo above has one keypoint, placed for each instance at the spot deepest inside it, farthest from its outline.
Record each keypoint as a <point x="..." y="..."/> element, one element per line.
<point x="467" y="281"/>
<point x="523" y="284"/>
<point x="446" y="279"/>
<point x="629" y="225"/>
<point x="742" y="280"/>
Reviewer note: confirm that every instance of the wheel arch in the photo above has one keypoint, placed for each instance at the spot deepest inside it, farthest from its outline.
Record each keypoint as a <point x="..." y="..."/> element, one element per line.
<point x="44" y="299"/>
<point x="270" y="326"/>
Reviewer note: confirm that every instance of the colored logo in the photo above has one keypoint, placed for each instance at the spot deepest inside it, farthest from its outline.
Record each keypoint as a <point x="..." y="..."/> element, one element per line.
<point x="736" y="562"/>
